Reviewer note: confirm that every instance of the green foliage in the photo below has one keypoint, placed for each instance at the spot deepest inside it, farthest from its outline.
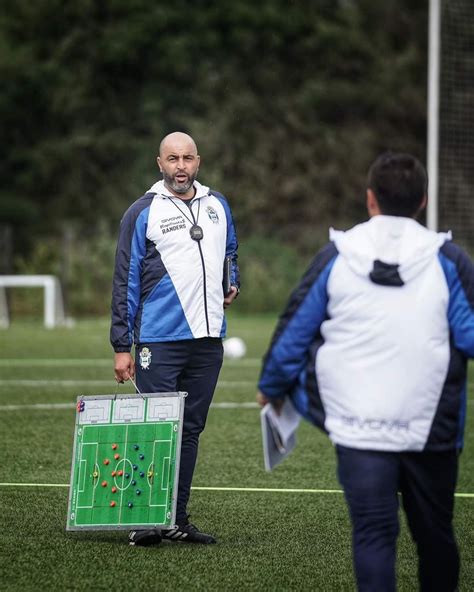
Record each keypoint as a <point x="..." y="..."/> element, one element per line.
<point x="44" y="259"/>
<point x="269" y="272"/>
<point x="289" y="102"/>
<point x="85" y="266"/>
<point x="90" y="286"/>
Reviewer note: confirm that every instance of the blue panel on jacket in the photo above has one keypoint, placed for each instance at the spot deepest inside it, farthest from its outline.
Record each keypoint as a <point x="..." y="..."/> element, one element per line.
<point x="164" y="308"/>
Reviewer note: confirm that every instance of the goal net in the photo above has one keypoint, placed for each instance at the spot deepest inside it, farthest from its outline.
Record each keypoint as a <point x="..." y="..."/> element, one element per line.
<point x="456" y="122"/>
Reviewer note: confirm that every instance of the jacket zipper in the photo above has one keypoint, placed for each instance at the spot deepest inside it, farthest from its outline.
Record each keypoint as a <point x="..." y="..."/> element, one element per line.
<point x="206" y="314"/>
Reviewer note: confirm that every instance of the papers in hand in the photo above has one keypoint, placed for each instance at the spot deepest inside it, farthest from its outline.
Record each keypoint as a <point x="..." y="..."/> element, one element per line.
<point x="278" y="432"/>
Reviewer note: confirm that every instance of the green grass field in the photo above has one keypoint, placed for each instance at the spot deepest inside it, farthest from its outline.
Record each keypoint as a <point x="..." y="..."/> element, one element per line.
<point x="269" y="538"/>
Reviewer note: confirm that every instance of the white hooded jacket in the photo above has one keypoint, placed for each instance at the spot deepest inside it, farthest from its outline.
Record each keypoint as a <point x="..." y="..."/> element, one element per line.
<point x="393" y="339"/>
<point x="374" y="342"/>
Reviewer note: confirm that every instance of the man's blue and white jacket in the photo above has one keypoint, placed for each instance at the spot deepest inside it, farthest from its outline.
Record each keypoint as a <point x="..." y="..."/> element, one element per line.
<point x="167" y="286"/>
<point x="374" y="342"/>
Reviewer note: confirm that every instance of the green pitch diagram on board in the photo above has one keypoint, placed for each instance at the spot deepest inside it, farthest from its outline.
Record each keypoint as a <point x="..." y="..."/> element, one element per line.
<point x="125" y="461"/>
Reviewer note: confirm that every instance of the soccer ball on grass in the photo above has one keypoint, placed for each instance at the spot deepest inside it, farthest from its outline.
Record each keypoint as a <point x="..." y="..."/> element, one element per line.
<point x="234" y="348"/>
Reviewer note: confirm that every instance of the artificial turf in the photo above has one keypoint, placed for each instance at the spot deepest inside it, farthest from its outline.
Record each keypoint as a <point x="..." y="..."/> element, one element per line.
<point x="267" y="540"/>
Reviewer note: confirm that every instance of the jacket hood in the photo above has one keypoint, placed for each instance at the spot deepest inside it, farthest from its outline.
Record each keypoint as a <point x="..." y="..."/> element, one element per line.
<point x="390" y="250"/>
<point x="160" y="189"/>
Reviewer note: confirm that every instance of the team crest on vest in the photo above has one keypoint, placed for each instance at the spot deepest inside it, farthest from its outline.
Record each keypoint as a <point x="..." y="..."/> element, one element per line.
<point x="145" y="358"/>
<point x="211" y="212"/>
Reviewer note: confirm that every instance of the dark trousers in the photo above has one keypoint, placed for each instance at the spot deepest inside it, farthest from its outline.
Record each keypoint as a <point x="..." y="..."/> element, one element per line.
<point x="191" y="365"/>
<point x="426" y="481"/>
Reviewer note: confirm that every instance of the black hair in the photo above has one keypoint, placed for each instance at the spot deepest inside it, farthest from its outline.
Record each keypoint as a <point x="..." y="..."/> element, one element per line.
<point x="399" y="183"/>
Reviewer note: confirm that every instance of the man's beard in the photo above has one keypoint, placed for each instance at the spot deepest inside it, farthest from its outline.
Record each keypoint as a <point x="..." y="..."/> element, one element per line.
<point x="177" y="187"/>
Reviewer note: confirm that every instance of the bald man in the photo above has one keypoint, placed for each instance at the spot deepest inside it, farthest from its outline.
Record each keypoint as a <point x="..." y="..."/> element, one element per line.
<point x="168" y="303"/>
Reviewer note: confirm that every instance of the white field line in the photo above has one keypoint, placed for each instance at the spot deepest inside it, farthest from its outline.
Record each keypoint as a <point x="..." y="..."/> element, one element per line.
<point x="239" y="489"/>
<point x="61" y="406"/>
<point x="60" y="382"/>
<point x="122" y="489"/>
<point x="105" y="362"/>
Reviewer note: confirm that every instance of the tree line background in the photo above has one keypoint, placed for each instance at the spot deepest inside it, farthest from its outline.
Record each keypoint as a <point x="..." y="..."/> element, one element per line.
<point x="289" y="101"/>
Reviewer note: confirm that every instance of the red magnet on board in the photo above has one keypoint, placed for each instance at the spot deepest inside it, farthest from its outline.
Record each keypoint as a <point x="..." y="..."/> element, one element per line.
<point x="106" y="461"/>
<point x="116" y="456"/>
<point x="114" y="489"/>
<point x="114" y="473"/>
<point x="112" y="504"/>
<point x="104" y="483"/>
<point x="120" y="473"/>
<point x="114" y="446"/>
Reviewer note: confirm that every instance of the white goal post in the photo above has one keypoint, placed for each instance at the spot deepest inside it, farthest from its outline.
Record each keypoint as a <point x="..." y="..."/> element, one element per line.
<point x="53" y="299"/>
<point x="434" y="41"/>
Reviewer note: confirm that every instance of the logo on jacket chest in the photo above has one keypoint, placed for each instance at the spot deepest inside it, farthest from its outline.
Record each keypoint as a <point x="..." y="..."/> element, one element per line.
<point x="211" y="212"/>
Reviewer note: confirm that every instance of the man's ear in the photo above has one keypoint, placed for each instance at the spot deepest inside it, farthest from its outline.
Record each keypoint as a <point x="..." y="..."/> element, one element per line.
<point x="158" y="162"/>
<point x="422" y="207"/>
<point x="373" y="207"/>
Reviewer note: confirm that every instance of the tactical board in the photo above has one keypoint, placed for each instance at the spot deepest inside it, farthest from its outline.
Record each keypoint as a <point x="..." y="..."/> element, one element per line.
<point x="125" y="463"/>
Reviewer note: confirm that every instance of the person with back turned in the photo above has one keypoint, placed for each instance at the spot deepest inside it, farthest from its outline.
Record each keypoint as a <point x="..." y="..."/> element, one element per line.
<point x="168" y="302"/>
<point x="373" y="348"/>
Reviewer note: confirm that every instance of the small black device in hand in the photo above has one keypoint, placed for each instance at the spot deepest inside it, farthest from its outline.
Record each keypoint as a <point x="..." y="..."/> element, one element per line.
<point x="227" y="273"/>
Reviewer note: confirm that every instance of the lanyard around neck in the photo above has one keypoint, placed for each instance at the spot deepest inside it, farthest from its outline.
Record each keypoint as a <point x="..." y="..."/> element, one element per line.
<point x="196" y="232"/>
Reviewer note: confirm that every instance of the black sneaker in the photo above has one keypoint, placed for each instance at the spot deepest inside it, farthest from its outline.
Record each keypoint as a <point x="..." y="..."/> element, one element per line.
<point x="144" y="538"/>
<point x="187" y="533"/>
